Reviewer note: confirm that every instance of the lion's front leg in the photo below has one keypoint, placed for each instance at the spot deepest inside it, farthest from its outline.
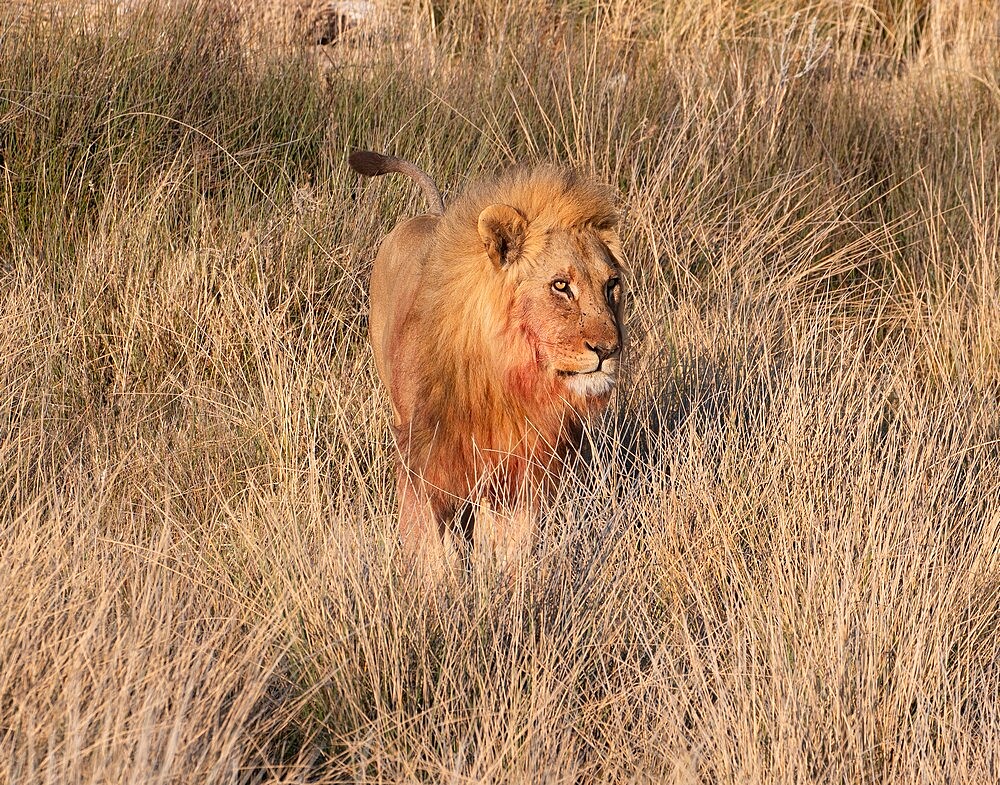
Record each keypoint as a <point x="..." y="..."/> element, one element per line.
<point x="505" y="538"/>
<point x="427" y="546"/>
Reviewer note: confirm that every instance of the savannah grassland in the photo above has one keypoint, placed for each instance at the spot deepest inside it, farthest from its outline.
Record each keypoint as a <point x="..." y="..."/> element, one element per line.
<point x="782" y="564"/>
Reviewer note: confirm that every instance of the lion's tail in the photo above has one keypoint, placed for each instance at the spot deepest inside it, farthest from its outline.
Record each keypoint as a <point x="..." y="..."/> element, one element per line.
<point x="374" y="164"/>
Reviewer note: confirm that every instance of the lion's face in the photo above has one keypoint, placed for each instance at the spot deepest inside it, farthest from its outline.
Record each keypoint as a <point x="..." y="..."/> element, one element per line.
<point x="567" y="304"/>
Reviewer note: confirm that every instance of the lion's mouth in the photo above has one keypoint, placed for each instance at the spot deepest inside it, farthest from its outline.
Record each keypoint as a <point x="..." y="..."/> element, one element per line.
<point x="599" y="370"/>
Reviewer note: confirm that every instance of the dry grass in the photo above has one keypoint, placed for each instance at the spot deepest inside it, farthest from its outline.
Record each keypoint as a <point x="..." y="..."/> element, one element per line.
<point x="782" y="565"/>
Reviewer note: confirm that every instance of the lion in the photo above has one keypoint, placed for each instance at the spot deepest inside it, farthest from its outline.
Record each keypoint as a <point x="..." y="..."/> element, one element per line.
<point x="496" y="328"/>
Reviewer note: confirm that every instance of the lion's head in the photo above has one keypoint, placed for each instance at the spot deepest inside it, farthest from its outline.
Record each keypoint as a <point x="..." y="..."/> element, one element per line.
<point x="532" y="266"/>
<point x="564" y="285"/>
<point x="497" y="329"/>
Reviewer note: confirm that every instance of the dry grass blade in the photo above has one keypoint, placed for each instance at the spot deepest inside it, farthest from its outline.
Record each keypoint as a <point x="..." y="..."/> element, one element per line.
<point x="781" y="562"/>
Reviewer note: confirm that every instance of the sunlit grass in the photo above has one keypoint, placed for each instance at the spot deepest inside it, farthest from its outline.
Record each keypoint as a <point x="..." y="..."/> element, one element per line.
<point x="781" y="564"/>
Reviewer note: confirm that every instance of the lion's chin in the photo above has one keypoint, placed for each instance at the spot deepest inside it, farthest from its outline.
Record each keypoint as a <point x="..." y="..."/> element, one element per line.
<point x="590" y="385"/>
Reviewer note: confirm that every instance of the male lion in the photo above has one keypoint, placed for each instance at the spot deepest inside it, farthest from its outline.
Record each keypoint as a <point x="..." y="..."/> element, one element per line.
<point x="496" y="327"/>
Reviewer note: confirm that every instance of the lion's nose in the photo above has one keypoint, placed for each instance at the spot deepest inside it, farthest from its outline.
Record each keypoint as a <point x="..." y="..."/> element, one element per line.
<point x="604" y="350"/>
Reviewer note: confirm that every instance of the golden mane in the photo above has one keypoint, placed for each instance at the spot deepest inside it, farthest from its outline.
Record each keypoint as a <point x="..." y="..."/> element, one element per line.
<point x="464" y="403"/>
<point x="547" y="197"/>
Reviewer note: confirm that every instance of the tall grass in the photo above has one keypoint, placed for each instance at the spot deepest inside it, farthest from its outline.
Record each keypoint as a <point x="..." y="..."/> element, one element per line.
<point x="781" y="564"/>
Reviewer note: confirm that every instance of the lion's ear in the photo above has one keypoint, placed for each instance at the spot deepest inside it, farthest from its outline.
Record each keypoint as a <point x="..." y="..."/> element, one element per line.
<point x="502" y="229"/>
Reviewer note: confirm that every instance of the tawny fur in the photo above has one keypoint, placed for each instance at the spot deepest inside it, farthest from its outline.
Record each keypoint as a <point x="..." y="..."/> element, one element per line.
<point x="487" y="365"/>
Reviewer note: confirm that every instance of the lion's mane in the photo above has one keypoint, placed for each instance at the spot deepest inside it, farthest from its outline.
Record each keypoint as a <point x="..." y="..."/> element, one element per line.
<point x="482" y="415"/>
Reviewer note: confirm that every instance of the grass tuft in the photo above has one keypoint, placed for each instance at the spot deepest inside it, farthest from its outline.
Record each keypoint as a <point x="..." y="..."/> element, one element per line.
<point x="781" y="563"/>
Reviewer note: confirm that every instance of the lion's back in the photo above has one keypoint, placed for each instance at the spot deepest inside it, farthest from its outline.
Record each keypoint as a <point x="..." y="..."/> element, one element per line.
<point x="395" y="281"/>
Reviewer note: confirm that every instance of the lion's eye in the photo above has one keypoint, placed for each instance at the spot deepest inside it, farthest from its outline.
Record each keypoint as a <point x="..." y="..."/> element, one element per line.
<point x="562" y="287"/>
<point x="611" y="290"/>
